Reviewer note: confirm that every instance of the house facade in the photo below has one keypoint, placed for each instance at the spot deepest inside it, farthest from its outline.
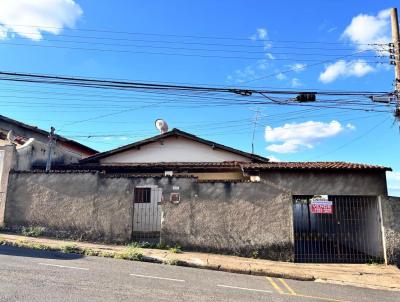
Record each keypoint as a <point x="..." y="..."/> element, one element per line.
<point x="178" y="188"/>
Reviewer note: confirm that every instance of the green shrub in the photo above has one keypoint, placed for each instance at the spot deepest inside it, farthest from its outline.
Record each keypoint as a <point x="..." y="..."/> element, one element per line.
<point x="172" y="262"/>
<point x="148" y="245"/>
<point x="71" y="248"/>
<point x="90" y="252"/>
<point x="32" y="231"/>
<point x="176" y="249"/>
<point x="129" y="253"/>
<point x="106" y="254"/>
<point x="255" y="254"/>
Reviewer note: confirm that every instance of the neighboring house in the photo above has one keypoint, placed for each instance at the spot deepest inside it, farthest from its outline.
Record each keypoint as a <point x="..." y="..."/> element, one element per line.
<point x="31" y="144"/>
<point x="181" y="189"/>
<point x="25" y="147"/>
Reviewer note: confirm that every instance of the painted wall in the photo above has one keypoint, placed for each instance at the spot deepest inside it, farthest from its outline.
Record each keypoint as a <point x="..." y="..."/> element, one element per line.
<point x="174" y="149"/>
<point x="33" y="154"/>
<point x="7" y="154"/>
<point x="329" y="183"/>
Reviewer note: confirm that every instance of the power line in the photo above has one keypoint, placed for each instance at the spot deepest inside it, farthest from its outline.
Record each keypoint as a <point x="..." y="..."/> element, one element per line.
<point x="185" y="36"/>
<point x="173" y="54"/>
<point x="117" y="84"/>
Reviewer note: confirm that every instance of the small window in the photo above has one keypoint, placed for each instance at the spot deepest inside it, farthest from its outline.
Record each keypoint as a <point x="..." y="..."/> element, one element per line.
<point x="142" y="195"/>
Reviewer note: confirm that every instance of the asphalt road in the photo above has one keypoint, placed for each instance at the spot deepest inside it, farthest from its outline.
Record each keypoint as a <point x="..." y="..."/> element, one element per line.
<point x="31" y="275"/>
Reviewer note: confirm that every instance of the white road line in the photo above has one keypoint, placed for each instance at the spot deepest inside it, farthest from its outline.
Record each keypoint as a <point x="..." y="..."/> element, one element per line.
<point x="245" y="288"/>
<point x="64" y="266"/>
<point x="160" y="278"/>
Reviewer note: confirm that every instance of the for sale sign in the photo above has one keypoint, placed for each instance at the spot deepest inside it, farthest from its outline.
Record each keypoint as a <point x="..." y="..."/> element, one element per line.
<point x="321" y="206"/>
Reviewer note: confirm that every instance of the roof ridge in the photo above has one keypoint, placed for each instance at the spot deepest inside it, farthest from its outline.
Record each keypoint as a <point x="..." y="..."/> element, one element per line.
<point x="175" y="131"/>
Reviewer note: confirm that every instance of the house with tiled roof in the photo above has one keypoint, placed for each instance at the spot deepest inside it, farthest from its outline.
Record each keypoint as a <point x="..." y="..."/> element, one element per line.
<point x="178" y="188"/>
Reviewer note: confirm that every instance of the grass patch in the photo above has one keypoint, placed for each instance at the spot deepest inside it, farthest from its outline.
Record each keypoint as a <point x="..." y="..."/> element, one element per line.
<point x="129" y="253"/>
<point x="176" y="249"/>
<point x="147" y="245"/>
<point x="106" y="254"/>
<point x="90" y="252"/>
<point x="160" y="246"/>
<point x="32" y="231"/>
<point x="71" y="249"/>
<point x="174" y="261"/>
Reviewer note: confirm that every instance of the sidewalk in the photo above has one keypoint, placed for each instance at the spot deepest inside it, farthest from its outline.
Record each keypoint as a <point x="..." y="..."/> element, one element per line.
<point x="361" y="275"/>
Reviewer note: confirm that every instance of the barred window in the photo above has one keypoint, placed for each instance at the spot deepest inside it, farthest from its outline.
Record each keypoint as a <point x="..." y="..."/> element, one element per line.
<point x="142" y="195"/>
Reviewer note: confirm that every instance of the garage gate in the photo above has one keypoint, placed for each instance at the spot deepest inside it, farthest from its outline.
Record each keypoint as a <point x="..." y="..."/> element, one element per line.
<point x="337" y="229"/>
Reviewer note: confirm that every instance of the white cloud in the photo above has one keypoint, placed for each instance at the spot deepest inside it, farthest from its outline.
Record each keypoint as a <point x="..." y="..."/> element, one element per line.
<point x="341" y="68"/>
<point x="296" y="82"/>
<point x="280" y="76"/>
<point x="273" y="158"/>
<point x="262" y="64"/>
<point x="393" y="179"/>
<point x="366" y="29"/>
<point x="243" y="75"/>
<point x="295" y="137"/>
<point x="262" y="33"/>
<point x="297" y="67"/>
<point x="332" y="29"/>
<point x="270" y="56"/>
<point x="29" y="19"/>
<point x="258" y="69"/>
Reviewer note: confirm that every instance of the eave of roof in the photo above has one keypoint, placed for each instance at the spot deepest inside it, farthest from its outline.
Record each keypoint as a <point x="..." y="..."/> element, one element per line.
<point x="174" y="132"/>
<point x="44" y="132"/>
<point x="245" y="166"/>
<point x="312" y="166"/>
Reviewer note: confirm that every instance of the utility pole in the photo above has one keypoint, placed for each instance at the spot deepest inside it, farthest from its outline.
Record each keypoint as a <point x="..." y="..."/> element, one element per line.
<point x="254" y="130"/>
<point x="50" y="145"/>
<point x="396" y="56"/>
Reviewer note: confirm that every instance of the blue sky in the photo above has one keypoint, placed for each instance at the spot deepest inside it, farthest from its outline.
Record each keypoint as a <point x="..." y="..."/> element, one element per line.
<point x="228" y="43"/>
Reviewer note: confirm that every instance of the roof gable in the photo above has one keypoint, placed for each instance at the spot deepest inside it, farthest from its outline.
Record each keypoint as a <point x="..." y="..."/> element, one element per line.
<point x="220" y="152"/>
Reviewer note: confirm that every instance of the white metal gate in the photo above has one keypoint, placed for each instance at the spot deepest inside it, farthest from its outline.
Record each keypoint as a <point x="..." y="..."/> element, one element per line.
<point x="147" y="214"/>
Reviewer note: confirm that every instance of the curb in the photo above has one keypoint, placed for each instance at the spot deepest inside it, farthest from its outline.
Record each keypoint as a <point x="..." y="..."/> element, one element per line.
<point x="184" y="263"/>
<point x="263" y="273"/>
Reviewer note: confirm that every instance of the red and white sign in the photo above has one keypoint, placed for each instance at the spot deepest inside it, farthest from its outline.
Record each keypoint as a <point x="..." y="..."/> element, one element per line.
<point x="321" y="206"/>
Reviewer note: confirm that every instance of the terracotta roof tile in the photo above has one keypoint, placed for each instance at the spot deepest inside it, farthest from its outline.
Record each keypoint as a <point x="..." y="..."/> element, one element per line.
<point x="312" y="166"/>
<point x="228" y="164"/>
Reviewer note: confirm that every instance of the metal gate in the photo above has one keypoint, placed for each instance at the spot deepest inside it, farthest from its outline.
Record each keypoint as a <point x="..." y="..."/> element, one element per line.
<point x="147" y="214"/>
<point x="340" y="229"/>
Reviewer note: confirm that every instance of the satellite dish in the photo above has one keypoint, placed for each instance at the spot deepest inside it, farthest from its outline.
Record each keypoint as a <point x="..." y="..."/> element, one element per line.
<point x="161" y="125"/>
<point x="11" y="136"/>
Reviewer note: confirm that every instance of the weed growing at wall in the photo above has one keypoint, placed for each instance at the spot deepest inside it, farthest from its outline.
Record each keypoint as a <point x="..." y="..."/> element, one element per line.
<point x="147" y="245"/>
<point x="176" y="249"/>
<point x="172" y="262"/>
<point x="32" y="231"/>
<point x="129" y="253"/>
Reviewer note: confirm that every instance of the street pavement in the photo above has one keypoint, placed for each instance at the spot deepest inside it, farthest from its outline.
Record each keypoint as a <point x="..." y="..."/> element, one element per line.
<point x="33" y="275"/>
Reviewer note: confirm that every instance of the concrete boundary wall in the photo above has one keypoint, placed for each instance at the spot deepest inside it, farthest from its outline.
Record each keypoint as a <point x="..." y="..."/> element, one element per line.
<point x="391" y="225"/>
<point x="240" y="218"/>
<point x="88" y="206"/>
<point x="252" y="219"/>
